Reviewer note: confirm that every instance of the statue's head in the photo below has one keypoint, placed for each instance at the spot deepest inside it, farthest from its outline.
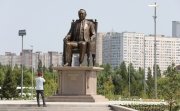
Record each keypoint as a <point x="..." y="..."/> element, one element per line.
<point x="82" y="14"/>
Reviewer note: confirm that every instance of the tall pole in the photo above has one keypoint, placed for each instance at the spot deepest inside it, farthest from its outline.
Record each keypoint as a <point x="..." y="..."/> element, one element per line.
<point x="144" y="67"/>
<point x="155" y="67"/>
<point x="155" y="47"/>
<point x="22" y="64"/>
<point x="32" y="87"/>
<point x="22" y="33"/>
<point x="129" y="80"/>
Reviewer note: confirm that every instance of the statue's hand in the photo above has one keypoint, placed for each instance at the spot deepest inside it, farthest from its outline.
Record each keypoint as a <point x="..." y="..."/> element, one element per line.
<point x="67" y="38"/>
<point x="93" y="38"/>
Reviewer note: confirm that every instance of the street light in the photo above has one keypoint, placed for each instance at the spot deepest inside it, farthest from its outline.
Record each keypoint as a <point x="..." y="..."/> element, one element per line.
<point x="144" y="66"/>
<point x="129" y="80"/>
<point x="22" y="33"/>
<point x="155" y="68"/>
<point x="32" y="87"/>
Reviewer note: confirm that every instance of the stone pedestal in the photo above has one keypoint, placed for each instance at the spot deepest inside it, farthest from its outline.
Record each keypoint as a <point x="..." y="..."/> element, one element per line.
<point x="77" y="82"/>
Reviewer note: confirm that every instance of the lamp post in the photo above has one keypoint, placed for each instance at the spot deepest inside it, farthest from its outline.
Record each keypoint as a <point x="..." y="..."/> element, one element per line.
<point x="155" y="68"/>
<point x="22" y="33"/>
<point x="129" y="80"/>
<point x="144" y="66"/>
<point x="32" y="87"/>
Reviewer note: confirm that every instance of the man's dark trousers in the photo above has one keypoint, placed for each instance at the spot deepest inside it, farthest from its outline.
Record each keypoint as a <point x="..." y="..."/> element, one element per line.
<point x="38" y="92"/>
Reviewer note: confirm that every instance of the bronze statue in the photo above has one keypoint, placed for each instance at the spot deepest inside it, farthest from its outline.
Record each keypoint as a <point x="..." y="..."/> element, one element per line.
<point x="81" y="33"/>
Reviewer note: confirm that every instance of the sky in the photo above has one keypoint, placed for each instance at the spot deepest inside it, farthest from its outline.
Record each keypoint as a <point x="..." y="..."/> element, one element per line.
<point x="47" y="21"/>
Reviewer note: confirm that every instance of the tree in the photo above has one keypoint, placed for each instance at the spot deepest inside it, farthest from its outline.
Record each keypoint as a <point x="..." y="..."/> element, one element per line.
<point x="17" y="73"/>
<point x="50" y="86"/>
<point x="136" y="81"/>
<point x="138" y="84"/>
<point x="1" y="77"/>
<point x="27" y="78"/>
<point x="108" y="88"/>
<point x="158" y="71"/>
<point x="103" y="77"/>
<point x="51" y="68"/>
<point x="169" y="86"/>
<point x="150" y="84"/>
<point x="9" y="85"/>
<point x="119" y="79"/>
<point x="118" y="83"/>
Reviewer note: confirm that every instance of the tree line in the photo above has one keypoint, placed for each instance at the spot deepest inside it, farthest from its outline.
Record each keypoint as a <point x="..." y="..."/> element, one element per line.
<point x="10" y="79"/>
<point x="127" y="83"/>
<point x="122" y="82"/>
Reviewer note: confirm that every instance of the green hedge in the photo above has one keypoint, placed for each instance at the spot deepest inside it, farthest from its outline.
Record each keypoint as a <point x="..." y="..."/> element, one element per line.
<point x="142" y="107"/>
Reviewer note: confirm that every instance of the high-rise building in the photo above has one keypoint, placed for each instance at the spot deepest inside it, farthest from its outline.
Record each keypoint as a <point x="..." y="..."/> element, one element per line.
<point x="176" y="29"/>
<point x="129" y="47"/>
<point x="99" y="45"/>
<point x="30" y="59"/>
<point x="51" y="58"/>
<point x="54" y="58"/>
<point x="167" y="51"/>
<point x="112" y="49"/>
<point x="27" y="57"/>
<point x="10" y="59"/>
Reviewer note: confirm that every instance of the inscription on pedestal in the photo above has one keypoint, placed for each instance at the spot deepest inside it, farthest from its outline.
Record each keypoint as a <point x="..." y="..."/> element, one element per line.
<point x="73" y="76"/>
<point x="73" y="83"/>
<point x="78" y="80"/>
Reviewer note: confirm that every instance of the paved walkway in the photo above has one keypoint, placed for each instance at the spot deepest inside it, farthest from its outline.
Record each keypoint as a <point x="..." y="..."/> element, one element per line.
<point x="31" y="105"/>
<point x="34" y="102"/>
<point x="105" y="103"/>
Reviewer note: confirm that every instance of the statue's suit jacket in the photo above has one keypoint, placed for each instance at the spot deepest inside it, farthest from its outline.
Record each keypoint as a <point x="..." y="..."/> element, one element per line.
<point x="88" y="30"/>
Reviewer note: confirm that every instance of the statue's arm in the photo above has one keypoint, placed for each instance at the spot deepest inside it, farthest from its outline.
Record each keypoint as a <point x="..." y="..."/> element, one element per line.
<point x="68" y="36"/>
<point x="93" y="32"/>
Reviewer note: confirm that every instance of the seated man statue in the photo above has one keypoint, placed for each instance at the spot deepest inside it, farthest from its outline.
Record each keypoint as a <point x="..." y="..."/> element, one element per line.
<point x="79" y="37"/>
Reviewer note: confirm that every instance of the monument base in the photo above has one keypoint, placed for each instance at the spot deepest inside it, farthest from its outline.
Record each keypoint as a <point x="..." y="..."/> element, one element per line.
<point x="77" y="98"/>
<point x="77" y="84"/>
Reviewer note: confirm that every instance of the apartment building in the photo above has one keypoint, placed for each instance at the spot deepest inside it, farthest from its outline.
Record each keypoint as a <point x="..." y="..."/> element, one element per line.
<point x="55" y="58"/>
<point x="130" y="47"/>
<point x="176" y="29"/>
<point x="10" y="59"/>
<point x="112" y="49"/>
<point x="30" y="59"/>
<point x="167" y="52"/>
<point x="99" y="47"/>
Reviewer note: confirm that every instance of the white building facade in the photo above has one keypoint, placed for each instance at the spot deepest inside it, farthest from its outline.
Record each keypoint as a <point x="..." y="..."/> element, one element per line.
<point x="130" y="47"/>
<point x="99" y="47"/>
<point x="30" y="59"/>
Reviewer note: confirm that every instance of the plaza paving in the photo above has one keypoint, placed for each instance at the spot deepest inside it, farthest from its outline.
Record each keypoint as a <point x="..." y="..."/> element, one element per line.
<point x="31" y="105"/>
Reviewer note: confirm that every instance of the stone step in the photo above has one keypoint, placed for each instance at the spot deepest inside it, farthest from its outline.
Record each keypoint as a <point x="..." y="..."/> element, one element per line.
<point x="99" y="98"/>
<point x="57" y="98"/>
<point x="77" y="98"/>
<point x="54" y="107"/>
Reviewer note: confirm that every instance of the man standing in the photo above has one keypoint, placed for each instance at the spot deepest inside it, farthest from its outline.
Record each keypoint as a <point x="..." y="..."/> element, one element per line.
<point x="79" y="36"/>
<point x="40" y="89"/>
